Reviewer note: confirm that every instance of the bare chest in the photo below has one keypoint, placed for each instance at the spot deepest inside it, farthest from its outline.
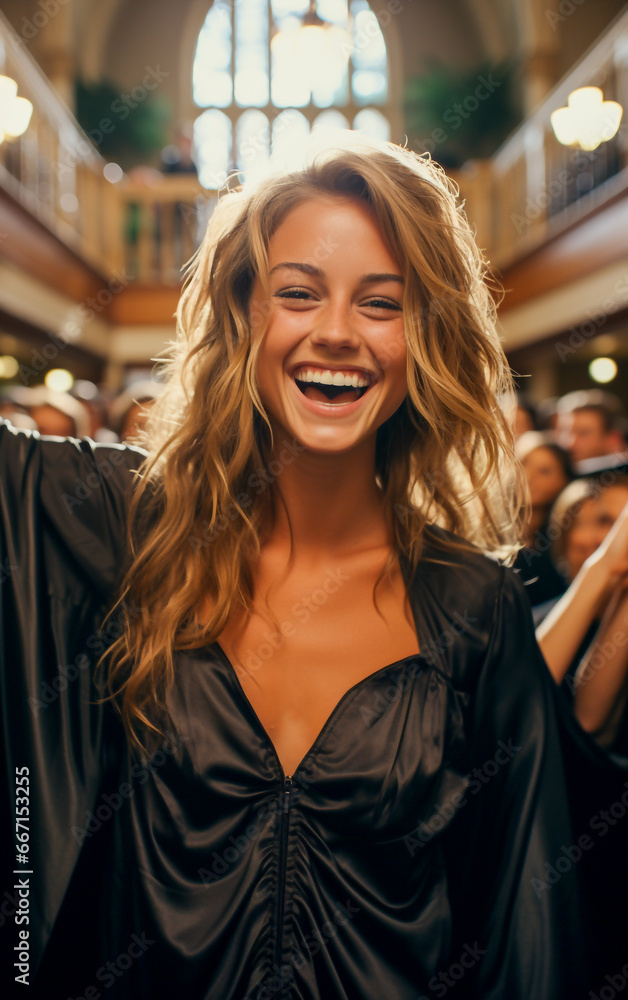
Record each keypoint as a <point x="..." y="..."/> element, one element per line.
<point x="327" y="636"/>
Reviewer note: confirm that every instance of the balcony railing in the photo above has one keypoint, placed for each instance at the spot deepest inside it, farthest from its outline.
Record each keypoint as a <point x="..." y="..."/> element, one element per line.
<point x="163" y="224"/>
<point x="533" y="187"/>
<point x="55" y="173"/>
<point x="530" y="190"/>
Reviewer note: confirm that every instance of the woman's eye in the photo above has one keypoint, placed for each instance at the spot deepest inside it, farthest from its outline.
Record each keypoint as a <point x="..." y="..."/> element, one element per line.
<point x="303" y="295"/>
<point x="294" y="293"/>
<point x="382" y="304"/>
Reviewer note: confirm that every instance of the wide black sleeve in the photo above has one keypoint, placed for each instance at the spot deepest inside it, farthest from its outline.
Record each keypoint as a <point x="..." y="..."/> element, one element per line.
<point x="517" y="899"/>
<point x="74" y="489"/>
<point x="63" y="506"/>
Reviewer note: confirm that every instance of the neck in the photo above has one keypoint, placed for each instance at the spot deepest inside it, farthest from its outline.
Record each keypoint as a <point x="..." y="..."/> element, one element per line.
<point x="333" y="502"/>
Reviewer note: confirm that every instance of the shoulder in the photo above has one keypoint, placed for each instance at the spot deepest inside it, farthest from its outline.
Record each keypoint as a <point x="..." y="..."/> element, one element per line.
<point x="117" y="455"/>
<point x="462" y="598"/>
<point x="71" y="466"/>
<point x="84" y="466"/>
<point x="20" y="442"/>
<point x="456" y="567"/>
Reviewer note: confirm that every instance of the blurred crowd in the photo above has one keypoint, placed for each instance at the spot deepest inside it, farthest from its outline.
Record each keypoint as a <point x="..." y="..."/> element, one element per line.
<point x="574" y="451"/>
<point x="574" y="564"/>
<point x="86" y="410"/>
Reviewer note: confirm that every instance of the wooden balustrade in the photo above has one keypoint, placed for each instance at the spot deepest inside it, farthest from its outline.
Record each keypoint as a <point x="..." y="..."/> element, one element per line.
<point x="53" y="170"/>
<point x="164" y="222"/>
<point x="535" y="188"/>
<point x="532" y="189"/>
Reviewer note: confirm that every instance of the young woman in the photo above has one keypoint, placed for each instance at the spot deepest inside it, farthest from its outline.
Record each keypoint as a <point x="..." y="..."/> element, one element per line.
<point x="583" y="635"/>
<point x="548" y="470"/>
<point x="336" y="769"/>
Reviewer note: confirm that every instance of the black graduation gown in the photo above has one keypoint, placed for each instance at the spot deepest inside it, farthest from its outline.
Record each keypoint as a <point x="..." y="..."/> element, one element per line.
<point x="427" y="841"/>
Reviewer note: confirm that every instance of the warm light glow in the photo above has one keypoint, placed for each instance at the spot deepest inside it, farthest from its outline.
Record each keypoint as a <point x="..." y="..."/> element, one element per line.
<point x="312" y="49"/>
<point x="588" y="120"/>
<point x="8" y="90"/>
<point x="113" y="172"/>
<point x="59" y="379"/>
<point x="68" y="203"/>
<point x="84" y="389"/>
<point x="605" y="344"/>
<point x="16" y="117"/>
<point x="15" y="112"/>
<point x="602" y="369"/>
<point x="8" y="366"/>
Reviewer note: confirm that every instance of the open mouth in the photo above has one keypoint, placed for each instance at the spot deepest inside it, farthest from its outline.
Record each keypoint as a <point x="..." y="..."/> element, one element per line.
<point x="322" y="393"/>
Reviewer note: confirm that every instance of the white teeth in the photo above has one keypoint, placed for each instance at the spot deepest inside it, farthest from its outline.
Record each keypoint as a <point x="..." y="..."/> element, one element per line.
<point x="354" y="380"/>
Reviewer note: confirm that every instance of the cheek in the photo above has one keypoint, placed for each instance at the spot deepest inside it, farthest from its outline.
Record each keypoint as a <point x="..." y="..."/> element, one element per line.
<point x="575" y="542"/>
<point x="268" y="366"/>
<point x="558" y="483"/>
<point x="547" y="481"/>
<point x="391" y="356"/>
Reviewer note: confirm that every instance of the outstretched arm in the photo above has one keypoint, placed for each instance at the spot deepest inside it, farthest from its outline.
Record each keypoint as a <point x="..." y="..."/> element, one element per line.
<point x="78" y="488"/>
<point x="560" y="635"/>
<point x="63" y="505"/>
<point x="601" y="681"/>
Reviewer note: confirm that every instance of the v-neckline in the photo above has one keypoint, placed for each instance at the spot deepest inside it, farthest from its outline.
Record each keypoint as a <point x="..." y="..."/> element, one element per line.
<point x="404" y="566"/>
<point x="330" y="718"/>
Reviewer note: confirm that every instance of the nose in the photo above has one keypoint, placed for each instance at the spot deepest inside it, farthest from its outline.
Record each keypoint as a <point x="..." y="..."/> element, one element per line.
<point x="335" y="326"/>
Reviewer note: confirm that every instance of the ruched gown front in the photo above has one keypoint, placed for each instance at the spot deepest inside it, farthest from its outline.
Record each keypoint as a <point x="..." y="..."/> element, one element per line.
<point x="409" y="854"/>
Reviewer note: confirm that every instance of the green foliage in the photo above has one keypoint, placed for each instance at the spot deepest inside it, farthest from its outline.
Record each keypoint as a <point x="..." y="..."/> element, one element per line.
<point x="460" y="114"/>
<point x="129" y="128"/>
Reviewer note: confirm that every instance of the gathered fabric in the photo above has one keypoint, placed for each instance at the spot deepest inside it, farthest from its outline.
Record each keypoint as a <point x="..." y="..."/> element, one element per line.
<point x="422" y="843"/>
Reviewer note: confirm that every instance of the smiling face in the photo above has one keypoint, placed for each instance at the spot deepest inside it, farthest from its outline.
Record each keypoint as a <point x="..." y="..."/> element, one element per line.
<point x="583" y="538"/>
<point x="332" y="365"/>
<point x="545" y="474"/>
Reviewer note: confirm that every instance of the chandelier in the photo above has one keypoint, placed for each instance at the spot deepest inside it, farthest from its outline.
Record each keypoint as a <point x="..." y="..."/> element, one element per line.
<point x="15" y="112"/>
<point x="588" y="120"/>
<point x="313" y="46"/>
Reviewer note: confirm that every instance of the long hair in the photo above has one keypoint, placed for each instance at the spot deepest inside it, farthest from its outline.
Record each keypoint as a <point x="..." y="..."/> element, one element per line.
<point x="205" y="500"/>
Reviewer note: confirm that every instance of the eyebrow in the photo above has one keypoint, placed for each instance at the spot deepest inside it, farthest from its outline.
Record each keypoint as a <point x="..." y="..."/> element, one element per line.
<point x="312" y="269"/>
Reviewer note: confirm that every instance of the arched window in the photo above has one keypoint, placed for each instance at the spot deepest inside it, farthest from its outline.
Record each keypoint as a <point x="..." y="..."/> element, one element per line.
<point x="266" y="83"/>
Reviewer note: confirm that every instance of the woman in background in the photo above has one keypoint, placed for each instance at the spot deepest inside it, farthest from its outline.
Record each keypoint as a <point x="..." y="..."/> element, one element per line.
<point x="584" y="634"/>
<point x="548" y="470"/>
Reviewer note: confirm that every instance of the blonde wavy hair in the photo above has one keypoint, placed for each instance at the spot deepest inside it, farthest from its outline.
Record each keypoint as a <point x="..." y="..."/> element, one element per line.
<point x="196" y="525"/>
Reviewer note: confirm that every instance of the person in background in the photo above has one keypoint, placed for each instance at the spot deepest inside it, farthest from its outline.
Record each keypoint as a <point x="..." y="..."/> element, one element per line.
<point x="55" y="413"/>
<point x="573" y="531"/>
<point x="129" y="411"/>
<point x="584" y="640"/>
<point x="583" y="636"/>
<point x="179" y="157"/>
<point x="591" y="425"/>
<point x="600" y="683"/>
<point x="524" y="418"/>
<point x="548" y="470"/>
<point x="546" y="413"/>
<point x="579" y="522"/>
